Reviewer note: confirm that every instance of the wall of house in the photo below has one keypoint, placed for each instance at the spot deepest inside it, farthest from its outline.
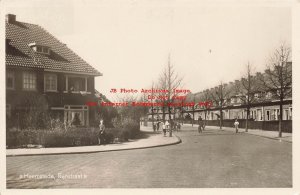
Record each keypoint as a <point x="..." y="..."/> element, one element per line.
<point x="18" y="98"/>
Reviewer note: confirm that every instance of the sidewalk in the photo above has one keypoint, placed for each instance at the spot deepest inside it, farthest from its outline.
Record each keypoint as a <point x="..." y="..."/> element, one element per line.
<point x="287" y="137"/>
<point x="154" y="140"/>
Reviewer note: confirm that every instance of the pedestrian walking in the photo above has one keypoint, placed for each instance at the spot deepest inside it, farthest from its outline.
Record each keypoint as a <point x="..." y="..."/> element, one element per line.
<point x="200" y="124"/>
<point x="236" y="125"/>
<point x="178" y="126"/>
<point x="101" y="134"/>
<point x="164" y="127"/>
<point x="158" y="125"/>
<point x="154" y="126"/>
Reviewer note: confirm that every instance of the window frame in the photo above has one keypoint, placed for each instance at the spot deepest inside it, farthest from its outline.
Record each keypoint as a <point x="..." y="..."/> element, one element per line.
<point x="78" y="76"/>
<point x="23" y="83"/>
<point x="45" y="79"/>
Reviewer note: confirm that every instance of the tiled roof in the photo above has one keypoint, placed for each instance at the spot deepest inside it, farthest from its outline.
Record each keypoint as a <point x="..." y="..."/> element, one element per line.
<point x="19" y="35"/>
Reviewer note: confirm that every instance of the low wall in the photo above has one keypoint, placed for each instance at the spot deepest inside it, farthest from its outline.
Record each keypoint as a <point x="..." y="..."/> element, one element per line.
<point x="263" y="125"/>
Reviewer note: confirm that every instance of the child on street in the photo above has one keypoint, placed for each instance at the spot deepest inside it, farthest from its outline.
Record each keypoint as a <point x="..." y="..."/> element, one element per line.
<point x="236" y="125"/>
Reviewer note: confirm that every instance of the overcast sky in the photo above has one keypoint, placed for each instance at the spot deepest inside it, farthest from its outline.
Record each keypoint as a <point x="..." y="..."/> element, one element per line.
<point x="129" y="41"/>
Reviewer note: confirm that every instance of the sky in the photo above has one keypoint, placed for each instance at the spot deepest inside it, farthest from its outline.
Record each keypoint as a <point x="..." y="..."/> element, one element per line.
<point x="129" y="41"/>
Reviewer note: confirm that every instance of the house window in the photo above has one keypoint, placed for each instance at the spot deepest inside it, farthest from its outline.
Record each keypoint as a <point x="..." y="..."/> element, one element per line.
<point x="286" y="114"/>
<point x="10" y="80"/>
<point x="76" y="83"/>
<point x="268" y="115"/>
<point x="233" y="100"/>
<point x="259" y="115"/>
<point x="50" y="82"/>
<point x="45" y="50"/>
<point x="40" y="48"/>
<point x="76" y="115"/>
<point x="290" y="115"/>
<point x="29" y="81"/>
<point x="276" y="114"/>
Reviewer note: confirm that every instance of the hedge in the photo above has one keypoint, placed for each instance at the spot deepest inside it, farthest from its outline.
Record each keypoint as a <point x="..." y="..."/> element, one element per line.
<point x="61" y="138"/>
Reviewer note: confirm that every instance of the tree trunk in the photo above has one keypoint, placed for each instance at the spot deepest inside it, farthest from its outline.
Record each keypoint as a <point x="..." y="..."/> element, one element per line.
<point x="164" y="114"/>
<point x="247" y="119"/>
<point x="181" y="117"/>
<point x="193" y="118"/>
<point x="221" y="118"/>
<point x="152" y="117"/>
<point x="169" y="109"/>
<point x="280" y="119"/>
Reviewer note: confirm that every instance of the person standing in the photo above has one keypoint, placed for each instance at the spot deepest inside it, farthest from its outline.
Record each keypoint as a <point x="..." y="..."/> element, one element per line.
<point x="101" y="135"/>
<point x="164" y="128"/>
<point x="236" y="125"/>
<point x="200" y="124"/>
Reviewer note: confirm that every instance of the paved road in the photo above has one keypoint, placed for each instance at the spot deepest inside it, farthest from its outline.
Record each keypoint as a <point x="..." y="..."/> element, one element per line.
<point x="213" y="159"/>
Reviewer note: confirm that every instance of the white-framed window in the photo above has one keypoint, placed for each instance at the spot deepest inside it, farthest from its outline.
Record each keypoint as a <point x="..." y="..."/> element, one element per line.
<point x="290" y="113"/>
<point x="29" y="81"/>
<point x="50" y="82"/>
<point x="10" y="80"/>
<point x="259" y="115"/>
<point x="285" y="114"/>
<point x="76" y="115"/>
<point x="276" y="114"/>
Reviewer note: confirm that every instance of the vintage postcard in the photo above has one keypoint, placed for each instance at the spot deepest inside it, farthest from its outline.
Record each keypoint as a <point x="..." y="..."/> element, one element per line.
<point x="156" y="95"/>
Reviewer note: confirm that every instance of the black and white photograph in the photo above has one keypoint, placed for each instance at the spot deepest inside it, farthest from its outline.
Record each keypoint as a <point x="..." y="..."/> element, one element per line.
<point x="149" y="94"/>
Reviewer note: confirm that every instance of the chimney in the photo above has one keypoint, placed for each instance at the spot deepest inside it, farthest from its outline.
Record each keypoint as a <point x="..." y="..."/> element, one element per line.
<point x="11" y="18"/>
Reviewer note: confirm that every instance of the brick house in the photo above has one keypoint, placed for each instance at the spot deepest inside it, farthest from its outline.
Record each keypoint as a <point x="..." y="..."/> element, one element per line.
<point x="41" y="68"/>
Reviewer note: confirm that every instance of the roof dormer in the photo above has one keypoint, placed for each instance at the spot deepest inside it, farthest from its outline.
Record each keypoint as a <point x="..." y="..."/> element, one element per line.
<point x="38" y="48"/>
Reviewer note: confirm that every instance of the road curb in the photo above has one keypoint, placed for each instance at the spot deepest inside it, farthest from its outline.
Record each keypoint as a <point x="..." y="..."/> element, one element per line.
<point x="273" y="138"/>
<point x="112" y="150"/>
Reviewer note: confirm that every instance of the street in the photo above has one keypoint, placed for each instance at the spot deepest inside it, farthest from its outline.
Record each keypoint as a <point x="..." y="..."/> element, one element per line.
<point x="212" y="159"/>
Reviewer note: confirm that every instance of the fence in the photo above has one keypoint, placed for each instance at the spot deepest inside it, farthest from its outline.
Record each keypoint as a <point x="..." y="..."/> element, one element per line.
<point x="263" y="125"/>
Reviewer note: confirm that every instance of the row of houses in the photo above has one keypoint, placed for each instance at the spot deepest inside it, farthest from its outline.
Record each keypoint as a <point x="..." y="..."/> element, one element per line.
<point x="264" y="105"/>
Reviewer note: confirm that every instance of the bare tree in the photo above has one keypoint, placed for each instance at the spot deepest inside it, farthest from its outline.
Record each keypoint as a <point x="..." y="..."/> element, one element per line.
<point x="278" y="77"/>
<point x="219" y="95"/>
<point x="162" y="84"/>
<point x="247" y="88"/>
<point x="169" y="80"/>
<point x="207" y="99"/>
